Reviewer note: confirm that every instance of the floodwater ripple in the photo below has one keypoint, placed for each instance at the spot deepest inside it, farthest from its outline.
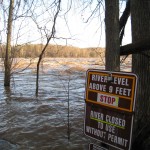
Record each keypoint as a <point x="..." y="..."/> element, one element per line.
<point x="30" y="123"/>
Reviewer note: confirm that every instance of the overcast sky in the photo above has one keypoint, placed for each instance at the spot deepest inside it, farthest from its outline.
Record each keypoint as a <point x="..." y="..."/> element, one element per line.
<point x="87" y="33"/>
<point x="73" y="28"/>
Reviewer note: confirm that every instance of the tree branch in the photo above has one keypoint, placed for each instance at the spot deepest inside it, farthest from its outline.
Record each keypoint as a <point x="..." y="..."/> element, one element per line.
<point x="44" y="49"/>
<point x="136" y="47"/>
<point x="123" y="20"/>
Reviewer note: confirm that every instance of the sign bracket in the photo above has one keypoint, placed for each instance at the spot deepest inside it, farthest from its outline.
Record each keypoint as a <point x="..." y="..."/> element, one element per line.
<point x="110" y="77"/>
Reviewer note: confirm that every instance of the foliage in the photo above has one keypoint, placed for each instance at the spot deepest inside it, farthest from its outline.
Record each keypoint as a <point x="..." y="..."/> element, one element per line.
<point x="34" y="50"/>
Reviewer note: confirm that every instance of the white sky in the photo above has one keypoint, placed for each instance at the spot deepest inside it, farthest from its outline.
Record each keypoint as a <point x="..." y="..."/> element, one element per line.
<point x="81" y="34"/>
<point x="71" y="26"/>
<point x="88" y="34"/>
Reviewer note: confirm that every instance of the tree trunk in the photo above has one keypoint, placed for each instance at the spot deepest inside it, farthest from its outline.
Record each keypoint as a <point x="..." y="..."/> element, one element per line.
<point x="140" y="19"/>
<point x="7" y="61"/>
<point x="38" y="68"/>
<point x="44" y="49"/>
<point x="112" y="35"/>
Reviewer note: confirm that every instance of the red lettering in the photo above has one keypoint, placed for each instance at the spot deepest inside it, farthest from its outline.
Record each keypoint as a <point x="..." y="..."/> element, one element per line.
<point x="101" y="98"/>
<point x="113" y="100"/>
<point x="105" y="98"/>
<point x="109" y="100"/>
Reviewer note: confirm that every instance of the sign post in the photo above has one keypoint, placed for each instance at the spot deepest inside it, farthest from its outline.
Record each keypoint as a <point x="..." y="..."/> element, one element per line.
<point x="110" y="100"/>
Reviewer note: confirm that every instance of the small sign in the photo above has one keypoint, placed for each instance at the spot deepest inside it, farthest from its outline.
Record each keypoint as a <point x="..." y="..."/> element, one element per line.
<point x="108" y="126"/>
<point x="107" y="99"/>
<point x="96" y="147"/>
<point x="118" y="93"/>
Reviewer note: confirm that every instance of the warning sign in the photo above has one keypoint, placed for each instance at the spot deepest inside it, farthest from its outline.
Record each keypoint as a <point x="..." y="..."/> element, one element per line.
<point x="118" y="93"/>
<point x="108" y="126"/>
<point x="110" y="101"/>
<point x="106" y="99"/>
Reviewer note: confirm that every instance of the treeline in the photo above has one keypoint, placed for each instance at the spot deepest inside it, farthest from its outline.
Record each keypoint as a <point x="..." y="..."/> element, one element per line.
<point x="34" y="50"/>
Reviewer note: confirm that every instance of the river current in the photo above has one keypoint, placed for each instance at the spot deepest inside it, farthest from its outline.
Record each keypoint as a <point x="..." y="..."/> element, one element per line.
<point x="30" y="123"/>
<point x="42" y="123"/>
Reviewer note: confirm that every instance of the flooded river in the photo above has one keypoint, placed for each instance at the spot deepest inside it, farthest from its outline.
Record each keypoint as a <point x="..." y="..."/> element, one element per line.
<point x="30" y="123"/>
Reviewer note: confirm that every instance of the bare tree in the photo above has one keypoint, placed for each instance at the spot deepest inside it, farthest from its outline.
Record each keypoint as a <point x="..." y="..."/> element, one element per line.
<point x="17" y="9"/>
<point x="49" y="37"/>
<point x="7" y="61"/>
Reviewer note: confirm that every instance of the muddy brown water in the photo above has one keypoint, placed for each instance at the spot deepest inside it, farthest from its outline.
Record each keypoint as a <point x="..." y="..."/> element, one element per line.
<point x="29" y="123"/>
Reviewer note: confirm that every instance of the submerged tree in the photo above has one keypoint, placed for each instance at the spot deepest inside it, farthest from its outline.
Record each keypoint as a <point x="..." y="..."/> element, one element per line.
<point x="49" y="37"/>
<point x="12" y="11"/>
<point x="7" y="61"/>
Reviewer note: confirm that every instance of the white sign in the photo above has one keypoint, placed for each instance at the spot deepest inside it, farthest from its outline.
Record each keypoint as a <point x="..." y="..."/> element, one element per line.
<point x="107" y="99"/>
